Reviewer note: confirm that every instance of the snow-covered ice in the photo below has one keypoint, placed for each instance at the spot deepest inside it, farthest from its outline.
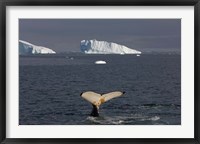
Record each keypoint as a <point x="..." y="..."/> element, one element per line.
<point x="103" y="47"/>
<point x="28" y="48"/>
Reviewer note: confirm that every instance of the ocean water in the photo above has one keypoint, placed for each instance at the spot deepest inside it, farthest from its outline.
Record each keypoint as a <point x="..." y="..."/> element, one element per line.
<point x="50" y="88"/>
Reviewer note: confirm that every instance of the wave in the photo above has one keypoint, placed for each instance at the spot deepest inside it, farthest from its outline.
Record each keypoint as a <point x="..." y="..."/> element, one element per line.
<point x="166" y="105"/>
<point x="176" y="106"/>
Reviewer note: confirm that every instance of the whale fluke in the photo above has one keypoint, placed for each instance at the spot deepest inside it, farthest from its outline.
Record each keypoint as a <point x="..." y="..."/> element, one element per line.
<point x="97" y="99"/>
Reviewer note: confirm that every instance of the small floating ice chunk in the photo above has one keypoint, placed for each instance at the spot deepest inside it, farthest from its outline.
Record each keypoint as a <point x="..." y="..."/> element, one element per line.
<point x="100" y="62"/>
<point x="137" y="55"/>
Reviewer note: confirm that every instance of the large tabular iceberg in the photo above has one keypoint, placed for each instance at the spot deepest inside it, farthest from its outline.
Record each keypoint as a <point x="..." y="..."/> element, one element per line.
<point x="28" y="48"/>
<point x="103" y="47"/>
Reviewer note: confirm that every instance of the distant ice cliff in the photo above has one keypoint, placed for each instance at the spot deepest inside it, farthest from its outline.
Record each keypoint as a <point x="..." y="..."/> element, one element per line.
<point x="28" y="48"/>
<point x="103" y="47"/>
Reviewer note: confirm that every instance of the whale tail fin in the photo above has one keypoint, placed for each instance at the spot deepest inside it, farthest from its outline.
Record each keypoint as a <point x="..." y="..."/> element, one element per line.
<point x="97" y="99"/>
<point x="112" y="95"/>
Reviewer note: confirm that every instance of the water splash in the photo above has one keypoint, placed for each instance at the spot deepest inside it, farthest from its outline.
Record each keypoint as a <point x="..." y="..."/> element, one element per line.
<point x="120" y="120"/>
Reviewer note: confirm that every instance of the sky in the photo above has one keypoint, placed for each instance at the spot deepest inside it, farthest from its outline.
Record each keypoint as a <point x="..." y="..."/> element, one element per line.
<point x="64" y="35"/>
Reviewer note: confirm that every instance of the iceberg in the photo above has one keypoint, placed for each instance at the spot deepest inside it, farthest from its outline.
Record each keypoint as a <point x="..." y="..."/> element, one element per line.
<point x="103" y="47"/>
<point x="100" y="62"/>
<point x="28" y="48"/>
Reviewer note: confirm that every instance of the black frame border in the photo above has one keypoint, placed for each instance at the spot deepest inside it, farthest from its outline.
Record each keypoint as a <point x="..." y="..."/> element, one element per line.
<point x="4" y="3"/>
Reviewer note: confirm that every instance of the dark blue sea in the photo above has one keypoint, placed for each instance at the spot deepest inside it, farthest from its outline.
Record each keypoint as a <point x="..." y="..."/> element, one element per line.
<point x="50" y="88"/>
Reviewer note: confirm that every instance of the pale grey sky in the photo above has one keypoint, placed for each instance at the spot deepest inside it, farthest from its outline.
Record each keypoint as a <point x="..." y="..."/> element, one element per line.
<point x="64" y="35"/>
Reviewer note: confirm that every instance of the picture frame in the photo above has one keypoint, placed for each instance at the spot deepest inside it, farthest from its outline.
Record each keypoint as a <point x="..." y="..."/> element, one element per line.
<point x="3" y="86"/>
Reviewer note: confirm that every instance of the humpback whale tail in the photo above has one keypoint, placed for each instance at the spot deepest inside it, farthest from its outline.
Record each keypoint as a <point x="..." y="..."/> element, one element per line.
<point x="97" y="99"/>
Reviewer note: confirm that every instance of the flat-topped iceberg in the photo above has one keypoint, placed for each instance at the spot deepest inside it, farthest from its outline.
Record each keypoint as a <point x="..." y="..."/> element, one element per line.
<point x="28" y="48"/>
<point x="103" y="47"/>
